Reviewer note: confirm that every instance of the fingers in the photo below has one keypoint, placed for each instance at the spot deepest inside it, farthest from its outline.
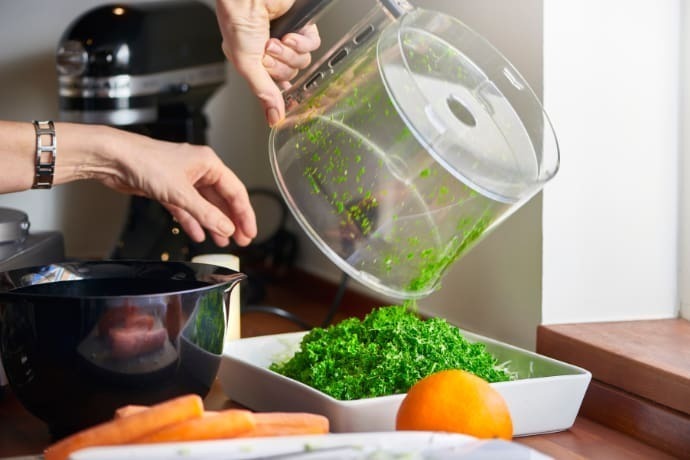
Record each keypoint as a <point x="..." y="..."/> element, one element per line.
<point x="245" y="29"/>
<point x="222" y="208"/>
<point x="189" y="224"/>
<point x="284" y="58"/>
<point x="234" y="202"/>
<point x="251" y="67"/>
<point x="282" y="62"/>
<point x="200" y="214"/>
<point x="245" y="26"/>
<point x="304" y="41"/>
<point x="230" y="195"/>
<point x="193" y="228"/>
<point x="194" y="185"/>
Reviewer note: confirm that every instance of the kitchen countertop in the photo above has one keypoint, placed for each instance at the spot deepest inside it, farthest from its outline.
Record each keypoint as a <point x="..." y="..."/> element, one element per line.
<point x="23" y="434"/>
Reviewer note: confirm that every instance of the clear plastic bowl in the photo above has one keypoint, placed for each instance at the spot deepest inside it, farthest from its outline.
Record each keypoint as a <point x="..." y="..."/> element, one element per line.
<point x="411" y="152"/>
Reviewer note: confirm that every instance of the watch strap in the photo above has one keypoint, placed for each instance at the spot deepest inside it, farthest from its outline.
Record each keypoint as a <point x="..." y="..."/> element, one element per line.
<point x="46" y="152"/>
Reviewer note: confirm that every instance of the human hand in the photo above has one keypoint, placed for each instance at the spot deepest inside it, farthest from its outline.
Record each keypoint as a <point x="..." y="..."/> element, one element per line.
<point x="268" y="64"/>
<point x="190" y="181"/>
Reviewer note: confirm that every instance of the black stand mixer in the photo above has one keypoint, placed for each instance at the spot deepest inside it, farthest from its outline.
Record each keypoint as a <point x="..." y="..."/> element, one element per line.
<point x="147" y="68"/>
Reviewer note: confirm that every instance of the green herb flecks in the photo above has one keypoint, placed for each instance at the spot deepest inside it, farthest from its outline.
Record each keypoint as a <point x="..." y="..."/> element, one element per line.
<point x="436" y="263"/>
<point x="209" y="326"/>
<point x="385" y="353"/>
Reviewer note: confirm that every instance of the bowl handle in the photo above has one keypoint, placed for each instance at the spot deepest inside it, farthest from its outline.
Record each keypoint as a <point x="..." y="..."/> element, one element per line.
<point x="234" y="279"/>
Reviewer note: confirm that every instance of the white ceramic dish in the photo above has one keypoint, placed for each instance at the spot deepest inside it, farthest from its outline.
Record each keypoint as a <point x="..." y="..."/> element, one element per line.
<point x="343" y="446"/>
<point x="546" y="397"/>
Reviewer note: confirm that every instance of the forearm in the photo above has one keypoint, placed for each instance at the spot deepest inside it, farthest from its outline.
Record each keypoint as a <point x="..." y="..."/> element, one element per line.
<point x="191" y="181"/>
<point x="83" y="152"/>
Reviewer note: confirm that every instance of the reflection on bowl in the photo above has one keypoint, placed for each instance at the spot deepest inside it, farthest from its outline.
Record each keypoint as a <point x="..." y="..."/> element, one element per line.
<point x="106" y="334"/>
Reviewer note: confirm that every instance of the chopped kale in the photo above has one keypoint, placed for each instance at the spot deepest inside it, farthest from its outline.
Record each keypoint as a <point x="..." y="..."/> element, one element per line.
<point x="385" y="353"/>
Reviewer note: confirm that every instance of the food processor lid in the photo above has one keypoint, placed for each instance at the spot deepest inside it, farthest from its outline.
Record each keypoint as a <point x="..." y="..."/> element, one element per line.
<point x="470" y="108"/>
<point x="14" y="225"/>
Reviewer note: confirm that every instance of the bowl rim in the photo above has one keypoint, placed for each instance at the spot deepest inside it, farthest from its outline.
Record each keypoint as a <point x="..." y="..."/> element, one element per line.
<point x="213" y="276"/>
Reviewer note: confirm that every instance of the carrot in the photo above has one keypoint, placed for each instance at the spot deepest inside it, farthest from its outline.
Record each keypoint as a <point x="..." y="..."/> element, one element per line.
<point x="127" y="429"/>
<point x="229" y="423"/>
<point x="139" y="321"/>
<point x="114" y="317"/>
<point x="288" y="423"/>
<point x="127" y="343"/>
<point x="131" y="409"/>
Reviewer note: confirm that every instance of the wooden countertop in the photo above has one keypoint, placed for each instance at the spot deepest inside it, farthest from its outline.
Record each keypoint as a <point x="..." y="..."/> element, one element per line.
<point x="23" y="434"/>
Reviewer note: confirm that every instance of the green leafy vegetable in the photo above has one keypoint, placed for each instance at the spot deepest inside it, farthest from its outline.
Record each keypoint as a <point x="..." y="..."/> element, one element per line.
<point x="209" y="325"/>
<point x="383" y="354"/>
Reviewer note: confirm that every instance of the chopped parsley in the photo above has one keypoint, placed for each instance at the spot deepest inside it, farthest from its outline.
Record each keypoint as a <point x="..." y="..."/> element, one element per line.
<point x="385" y="353"/>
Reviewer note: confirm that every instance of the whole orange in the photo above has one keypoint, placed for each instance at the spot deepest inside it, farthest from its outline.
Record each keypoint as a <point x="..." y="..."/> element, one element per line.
<point x="455" y="401"/>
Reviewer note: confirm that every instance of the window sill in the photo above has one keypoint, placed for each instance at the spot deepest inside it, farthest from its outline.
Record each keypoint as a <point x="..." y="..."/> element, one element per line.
<point x="640" y="375"/>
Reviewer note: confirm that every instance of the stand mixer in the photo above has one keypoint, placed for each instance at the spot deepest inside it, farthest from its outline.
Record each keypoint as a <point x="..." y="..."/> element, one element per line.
<point x="149" y="68"/>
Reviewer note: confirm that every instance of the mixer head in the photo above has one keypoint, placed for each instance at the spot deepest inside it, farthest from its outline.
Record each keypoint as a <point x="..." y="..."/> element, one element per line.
<point x="121" y="64"/>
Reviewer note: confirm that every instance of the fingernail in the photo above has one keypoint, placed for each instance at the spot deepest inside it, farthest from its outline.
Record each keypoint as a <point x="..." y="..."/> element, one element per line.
<point x="268" y="61"/>
<point x="274" y="48"/>
<point x="290" y="42"/>
<point x="272" y="116"/>
<point x="226" y="228"/>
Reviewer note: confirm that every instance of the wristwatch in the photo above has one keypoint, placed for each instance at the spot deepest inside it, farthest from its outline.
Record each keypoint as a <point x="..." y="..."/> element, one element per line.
<point x="46" y="152"/>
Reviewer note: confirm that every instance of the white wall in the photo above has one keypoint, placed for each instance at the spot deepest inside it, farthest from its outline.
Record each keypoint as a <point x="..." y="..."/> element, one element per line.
<point x="496" y="288"/>
<point x="610" y="216"/>
<point x="684" y="276"/>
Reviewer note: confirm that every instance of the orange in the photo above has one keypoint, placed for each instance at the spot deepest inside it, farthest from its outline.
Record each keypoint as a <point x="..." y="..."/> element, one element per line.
<point x="455" y="401"/>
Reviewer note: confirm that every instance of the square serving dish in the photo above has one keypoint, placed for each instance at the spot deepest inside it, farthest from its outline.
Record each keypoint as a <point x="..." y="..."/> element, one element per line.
<point x="545" y="397"/>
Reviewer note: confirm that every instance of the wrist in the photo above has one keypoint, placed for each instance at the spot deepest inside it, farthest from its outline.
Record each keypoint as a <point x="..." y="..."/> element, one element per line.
<point x="86" y="152"/>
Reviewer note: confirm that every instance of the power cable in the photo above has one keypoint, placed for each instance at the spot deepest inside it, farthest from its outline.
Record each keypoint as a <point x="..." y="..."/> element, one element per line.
<point x="277" y="253"/>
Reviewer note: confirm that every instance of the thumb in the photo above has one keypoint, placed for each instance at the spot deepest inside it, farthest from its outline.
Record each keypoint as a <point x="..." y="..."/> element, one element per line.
<point x="262" y="85"/>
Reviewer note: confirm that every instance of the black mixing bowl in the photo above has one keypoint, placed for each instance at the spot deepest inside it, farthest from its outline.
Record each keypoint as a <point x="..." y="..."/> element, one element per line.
<point x="80" y="339"/>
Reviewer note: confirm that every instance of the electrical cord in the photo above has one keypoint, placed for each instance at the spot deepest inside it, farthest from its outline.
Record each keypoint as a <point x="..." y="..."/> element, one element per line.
<point x="277" y="253"/>
<point x="277" y="311"/>
<point x="337" y="300"/>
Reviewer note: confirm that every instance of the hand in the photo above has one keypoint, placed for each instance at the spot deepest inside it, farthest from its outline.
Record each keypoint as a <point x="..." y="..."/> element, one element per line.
<point x="190" y="181"/>
<point x="266" y="63"/>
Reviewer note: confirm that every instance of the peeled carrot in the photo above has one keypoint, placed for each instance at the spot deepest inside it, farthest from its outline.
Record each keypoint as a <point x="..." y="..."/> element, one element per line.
<point x="139" y="321"/>
<point x="288" y="423"/>
<point x="131" y="409"/>
<point x="265" y="424"/>
<point x="229" y="423"/>
<point x="113" y="317"/>
<point x="126" y="429"/>
<point x="127" y="343"/>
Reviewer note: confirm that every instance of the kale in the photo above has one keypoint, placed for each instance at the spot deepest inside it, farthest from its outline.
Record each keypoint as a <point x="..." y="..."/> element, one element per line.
<point x="209" y="329"/>
<point x="385" y="353"/>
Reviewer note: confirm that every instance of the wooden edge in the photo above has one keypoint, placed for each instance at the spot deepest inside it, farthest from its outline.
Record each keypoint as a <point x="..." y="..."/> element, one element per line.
<point x="615" y="369"/>
<point x="652" y="423"/>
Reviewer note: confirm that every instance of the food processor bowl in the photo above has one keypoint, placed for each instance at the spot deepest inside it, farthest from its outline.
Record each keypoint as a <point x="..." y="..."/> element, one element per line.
<point x="401" y="157"/>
